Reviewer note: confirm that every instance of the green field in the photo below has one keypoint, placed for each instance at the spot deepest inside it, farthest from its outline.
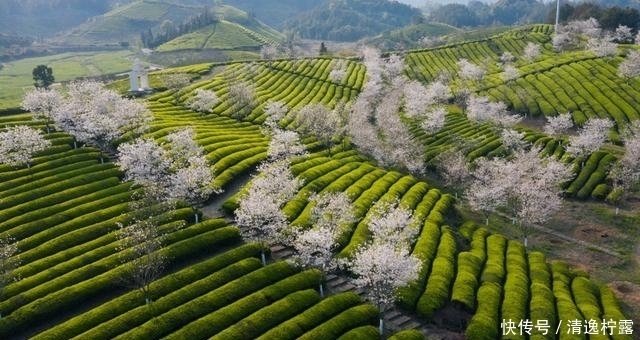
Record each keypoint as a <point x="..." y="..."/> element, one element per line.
<point x="16" y="79"/>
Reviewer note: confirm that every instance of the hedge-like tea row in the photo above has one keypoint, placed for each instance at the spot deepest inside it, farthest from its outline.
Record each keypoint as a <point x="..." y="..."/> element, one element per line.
<point x="516" y="286"/>
<point x="270" y="316"/>
<point x="438" y="289"/>
<point x="470" y="264"/>
<point x="226" y="315"/>
<point x="95" y="280"/>
<point x="127" y="310"/>
<point x="542" y="303"/>
<point x="360" y="315"/>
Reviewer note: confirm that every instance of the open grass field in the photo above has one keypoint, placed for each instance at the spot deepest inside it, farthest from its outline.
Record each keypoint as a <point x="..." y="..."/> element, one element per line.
<point x="16" y="78"/>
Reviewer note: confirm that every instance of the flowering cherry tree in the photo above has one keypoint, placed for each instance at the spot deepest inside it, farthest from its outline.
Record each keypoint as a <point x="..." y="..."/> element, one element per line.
<point x="391" y="223"/>
<point x="275" y="111"/>
<point x="98" y="116"/>
<point x="314" y="246"/>
<point x="590" y="138"/>
<point x="19" y="143"/>
<point x="470" y="71"/>
<point x="374" y="124"/>
<point x="42" y="103"/>
<point x="174" y="171"/>
<point x="174" y="82"/>
<point x="434" y="120"/>
<point x="527" y="186"/>
<point x="285" y="144"/>
<point x="258" y="214"/>
<point x="531" y="52"/>
<point x="481" y="109"/>
<point x="320" y="121"/>
<point x="558" y="125"/>
<point x="630" y="66"/>
<point x="203" y="101"/>
<point x="140" y="254"/>
<point x="626" y="171"/>
<point x="453" y="167"/>
<point x="602" y="47"/>
<point x="242" y="97"/>
<point x="381" y="268"/>
<point x="8" y="261"/>
<point x="510" y="73"/>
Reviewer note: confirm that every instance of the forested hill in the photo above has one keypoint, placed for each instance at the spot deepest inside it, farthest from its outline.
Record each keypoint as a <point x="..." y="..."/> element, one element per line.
<point x="350" y="20"/>
<point x="274" y="13"/>
<point x="46" y="17"/>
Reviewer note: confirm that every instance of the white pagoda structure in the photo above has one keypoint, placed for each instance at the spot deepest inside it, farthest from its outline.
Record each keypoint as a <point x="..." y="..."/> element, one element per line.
<point x="138" y="78"/>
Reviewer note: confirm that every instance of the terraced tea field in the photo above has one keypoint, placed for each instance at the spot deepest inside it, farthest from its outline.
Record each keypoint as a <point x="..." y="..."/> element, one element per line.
<point x="65" y="209"/>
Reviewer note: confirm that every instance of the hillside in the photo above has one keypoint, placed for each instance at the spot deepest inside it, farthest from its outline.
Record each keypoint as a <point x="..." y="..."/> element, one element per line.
<point x="350" y="20"/>
<point x="44" y="18"/>
<point x="583" y="265"/>
<point x="274" y="13"/>
<point x="126" y="23"/>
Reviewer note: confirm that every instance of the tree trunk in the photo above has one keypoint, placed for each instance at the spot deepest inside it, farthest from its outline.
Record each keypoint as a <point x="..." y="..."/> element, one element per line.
<point x="263" y="257"/>
<point x="321" y="289"/>
<point x="381" y="325"/>
<point x="197" y="218"/>
<point x="617" y="210"/>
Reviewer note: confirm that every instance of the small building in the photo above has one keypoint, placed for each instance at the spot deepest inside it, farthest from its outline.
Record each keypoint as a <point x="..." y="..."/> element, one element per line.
<point x="138" y="78"/>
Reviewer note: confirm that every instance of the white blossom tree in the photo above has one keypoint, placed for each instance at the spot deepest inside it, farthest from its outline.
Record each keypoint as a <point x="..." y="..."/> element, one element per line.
<point x="275" y="112"/>
<point x="469" y="71"/>
<point x="175" y="171"/>
<point x="590" y="137"/>
<point x="526" y="186"/>
<point x="512" y="140"/>
<point x="625" y="173"/>
<point x="314" y="246"/>
<point x="320" y="121"/>
<point x="19" y="143"/>
<point x="42" y="103"/>
<point x="98" y="116"/>
<point x="453" y="168"/>
<point x="630" y="66"/>
<point x="140" y="254"/>
<point x="203" y="101"/>
<point x="531" y="52"/>
<point x="602" y="47"/>
<point x="9" y="261"/>
<point x="258" y="214"/>
<point x="558" y="125"/>
<point x="623" y="35"/>
<point x="375" y="125"/>
<point x="434" y="120"/>
<point x="268" y="52"/>
<point x="510" y="73"/>
<point x="242" y="98"/>
<point x="391" y="223"/>
<point x="572" y="34"/>
<point x="481" y="109"/>
<point x="507" y="57"/>
<point x="174" y="82"/>
<point x="285" y="144"/>
<point x="380" y="268"/>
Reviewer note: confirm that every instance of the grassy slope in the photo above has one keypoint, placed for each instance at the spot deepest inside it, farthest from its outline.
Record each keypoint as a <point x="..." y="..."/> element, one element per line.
<point x="15" y="76"/>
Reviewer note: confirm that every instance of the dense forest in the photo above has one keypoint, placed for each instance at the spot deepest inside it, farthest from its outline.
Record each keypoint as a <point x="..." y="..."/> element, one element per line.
<point x="349" y="20"/>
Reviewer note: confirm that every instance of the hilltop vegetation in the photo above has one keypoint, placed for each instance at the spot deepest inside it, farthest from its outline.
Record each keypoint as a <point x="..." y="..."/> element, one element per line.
<point x="350" y="20"/>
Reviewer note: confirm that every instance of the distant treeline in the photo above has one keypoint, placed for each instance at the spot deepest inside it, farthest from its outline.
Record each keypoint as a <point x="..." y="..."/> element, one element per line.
<point x="168" y="30"/>
<point x="608" y="17"/>
<point x="514" y="12"/>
